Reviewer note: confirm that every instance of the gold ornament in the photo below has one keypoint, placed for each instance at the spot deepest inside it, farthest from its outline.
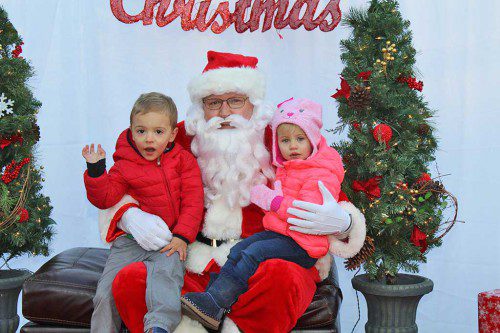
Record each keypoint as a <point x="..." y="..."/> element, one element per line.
<point x="387" y="55"/>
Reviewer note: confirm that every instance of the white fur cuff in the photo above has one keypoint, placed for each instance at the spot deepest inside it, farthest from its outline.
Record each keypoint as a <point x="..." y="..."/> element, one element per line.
<point x="356" y="236"/>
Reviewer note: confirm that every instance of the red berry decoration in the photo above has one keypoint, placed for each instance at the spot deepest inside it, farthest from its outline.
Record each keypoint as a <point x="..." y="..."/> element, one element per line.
<point x="12" y="171"/>
<point x="382" y="133"/>
<point x="357" y="126"/>
<point x="17" y="51"/>
<point x="412" y="82"/>
<point x="23" y="215"/>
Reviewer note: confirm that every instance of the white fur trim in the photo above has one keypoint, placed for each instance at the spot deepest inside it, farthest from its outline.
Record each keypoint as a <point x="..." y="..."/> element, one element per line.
<point x="221" y="221"/>
<point x="228" y="326"/>
<point x="199" y="255"/>
<point x="188" y="325"/>
<point x="356" y="236"/>
<point x="245" y="80"/>
<point x="105" y="216"/>
<point x="323" y="265"/>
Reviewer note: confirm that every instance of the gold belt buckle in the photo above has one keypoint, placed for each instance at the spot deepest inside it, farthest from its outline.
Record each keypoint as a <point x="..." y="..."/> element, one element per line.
<point x="214" y="241"/>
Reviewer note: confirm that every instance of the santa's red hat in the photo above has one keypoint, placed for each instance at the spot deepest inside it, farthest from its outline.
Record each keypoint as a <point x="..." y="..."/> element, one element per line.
<point x="228" y="72"/>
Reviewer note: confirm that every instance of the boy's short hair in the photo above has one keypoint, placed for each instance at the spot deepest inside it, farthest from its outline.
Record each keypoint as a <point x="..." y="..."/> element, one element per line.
<point x="155" y="102"/>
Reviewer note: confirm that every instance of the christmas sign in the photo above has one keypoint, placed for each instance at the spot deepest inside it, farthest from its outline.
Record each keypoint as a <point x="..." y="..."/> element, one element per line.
<point x="246" y="15"/>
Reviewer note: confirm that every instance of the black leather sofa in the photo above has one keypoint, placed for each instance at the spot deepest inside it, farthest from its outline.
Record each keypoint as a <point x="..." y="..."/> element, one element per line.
<point x="57" y="298"/>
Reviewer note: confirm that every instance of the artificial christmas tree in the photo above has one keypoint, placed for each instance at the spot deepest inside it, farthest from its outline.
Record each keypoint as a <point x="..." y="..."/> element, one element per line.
<point x="387" y="155"/>
<point x="25" y="225"/>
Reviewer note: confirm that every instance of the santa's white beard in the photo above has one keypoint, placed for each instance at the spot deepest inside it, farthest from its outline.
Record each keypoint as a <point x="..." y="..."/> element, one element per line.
<point x="231" y="160"/>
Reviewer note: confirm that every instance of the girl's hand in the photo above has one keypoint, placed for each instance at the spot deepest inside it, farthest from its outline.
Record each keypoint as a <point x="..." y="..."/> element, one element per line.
<point x="263" y="196"/>
<point x="176" y="245"/>
<point x="92" y="156"/>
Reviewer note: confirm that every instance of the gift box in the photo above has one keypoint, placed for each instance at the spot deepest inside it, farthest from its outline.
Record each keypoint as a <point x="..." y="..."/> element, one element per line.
<point x="489" y="311"/>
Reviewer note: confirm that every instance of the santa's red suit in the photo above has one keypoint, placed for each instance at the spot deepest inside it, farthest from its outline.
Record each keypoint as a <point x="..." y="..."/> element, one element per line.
<point x="279" y="292"/>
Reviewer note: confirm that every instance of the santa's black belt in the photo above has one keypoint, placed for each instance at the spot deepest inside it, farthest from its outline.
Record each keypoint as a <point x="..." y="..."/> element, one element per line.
<point x="210" y="241"/>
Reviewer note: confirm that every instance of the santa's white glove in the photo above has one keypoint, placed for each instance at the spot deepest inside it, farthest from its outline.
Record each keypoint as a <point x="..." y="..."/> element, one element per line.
<point x="326" y="219"/>
<point x="149" y="231"/>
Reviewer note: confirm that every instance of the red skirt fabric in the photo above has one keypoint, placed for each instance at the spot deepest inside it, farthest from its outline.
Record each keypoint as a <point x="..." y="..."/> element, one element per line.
<point x="279" y="292"/>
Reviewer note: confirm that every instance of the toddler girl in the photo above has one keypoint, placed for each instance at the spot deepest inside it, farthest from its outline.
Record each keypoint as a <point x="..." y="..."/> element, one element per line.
<point x="302" y="157"/>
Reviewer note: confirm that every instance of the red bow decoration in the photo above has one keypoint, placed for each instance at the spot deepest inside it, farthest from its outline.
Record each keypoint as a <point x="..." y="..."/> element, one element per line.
<point x="345" y="90"/>
<point x="4" y="142"/>
<point x="424" y="178"/>
<point x="343" y="197"/>
<point x="419" y="239"/>
<point x="370" y="187"/>
<point x="365" y="75"/>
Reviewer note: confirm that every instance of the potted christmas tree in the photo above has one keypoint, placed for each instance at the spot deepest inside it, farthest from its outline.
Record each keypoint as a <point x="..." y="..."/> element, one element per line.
<point x="387" y="155"/>
<point x="25" y="225"/>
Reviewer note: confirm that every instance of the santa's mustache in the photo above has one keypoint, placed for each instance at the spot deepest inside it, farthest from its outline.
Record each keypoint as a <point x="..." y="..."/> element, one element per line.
<point x="234" y="120"/>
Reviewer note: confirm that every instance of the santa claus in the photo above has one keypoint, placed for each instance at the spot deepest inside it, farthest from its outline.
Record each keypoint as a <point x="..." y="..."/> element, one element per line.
<point x="226" y="128"/>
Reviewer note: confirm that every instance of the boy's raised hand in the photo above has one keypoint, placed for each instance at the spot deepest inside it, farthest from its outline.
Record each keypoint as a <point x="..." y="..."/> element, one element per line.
<point x="176" y="245"/>
<point x="92" y="156"/>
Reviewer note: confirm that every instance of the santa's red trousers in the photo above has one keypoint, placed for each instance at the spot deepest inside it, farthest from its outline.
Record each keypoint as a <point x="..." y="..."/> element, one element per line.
<point x="279" y="292"/>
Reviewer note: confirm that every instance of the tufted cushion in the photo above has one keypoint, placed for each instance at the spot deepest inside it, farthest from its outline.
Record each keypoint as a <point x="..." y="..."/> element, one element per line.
<point x="61" y="291"/>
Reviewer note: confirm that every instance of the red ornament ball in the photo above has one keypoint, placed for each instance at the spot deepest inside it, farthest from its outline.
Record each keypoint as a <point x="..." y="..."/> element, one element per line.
<point x="382" y="133"/>
<point x="23" y="215"/>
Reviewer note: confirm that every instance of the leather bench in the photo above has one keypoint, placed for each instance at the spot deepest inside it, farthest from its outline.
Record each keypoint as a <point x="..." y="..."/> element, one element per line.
<point x="57" y="298"/>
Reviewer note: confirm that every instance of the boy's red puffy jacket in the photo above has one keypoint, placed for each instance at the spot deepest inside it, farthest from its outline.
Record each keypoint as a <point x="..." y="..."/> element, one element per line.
<point x="170" y="187"/>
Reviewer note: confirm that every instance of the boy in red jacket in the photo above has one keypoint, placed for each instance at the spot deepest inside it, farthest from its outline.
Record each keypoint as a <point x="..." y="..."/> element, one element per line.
<point x="166" y="181"/>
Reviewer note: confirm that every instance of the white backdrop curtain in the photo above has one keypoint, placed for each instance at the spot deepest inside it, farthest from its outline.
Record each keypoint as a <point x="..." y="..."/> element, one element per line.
<point x="90" y="68"/>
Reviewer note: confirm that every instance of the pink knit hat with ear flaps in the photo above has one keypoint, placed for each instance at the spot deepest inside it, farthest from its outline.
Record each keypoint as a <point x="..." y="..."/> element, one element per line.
<point x="302" y="112"/>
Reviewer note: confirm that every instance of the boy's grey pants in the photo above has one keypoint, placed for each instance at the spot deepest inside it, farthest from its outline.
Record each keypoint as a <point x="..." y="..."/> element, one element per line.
<point x="165" y="278"/>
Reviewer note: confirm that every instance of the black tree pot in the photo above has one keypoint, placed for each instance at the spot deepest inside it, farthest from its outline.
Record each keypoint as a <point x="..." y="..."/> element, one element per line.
<point x="392" y="308"/>
<point x="11" y="282"/>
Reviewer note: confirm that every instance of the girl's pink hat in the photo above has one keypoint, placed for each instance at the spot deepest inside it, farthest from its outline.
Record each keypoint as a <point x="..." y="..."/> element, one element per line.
<point x="302" y="112"/>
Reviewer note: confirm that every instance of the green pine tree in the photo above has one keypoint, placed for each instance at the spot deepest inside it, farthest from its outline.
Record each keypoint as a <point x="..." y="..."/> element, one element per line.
<point x="390" y="141"/>
<point x="25" y="223"/>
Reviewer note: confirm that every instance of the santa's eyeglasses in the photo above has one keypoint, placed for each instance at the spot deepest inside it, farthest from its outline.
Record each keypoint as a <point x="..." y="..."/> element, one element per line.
<point x="216" y="103"/>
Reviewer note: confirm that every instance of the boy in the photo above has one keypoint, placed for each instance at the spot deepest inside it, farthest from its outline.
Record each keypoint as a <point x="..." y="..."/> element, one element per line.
<point x="166" y="181"/>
